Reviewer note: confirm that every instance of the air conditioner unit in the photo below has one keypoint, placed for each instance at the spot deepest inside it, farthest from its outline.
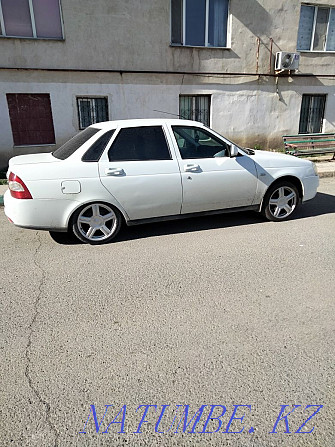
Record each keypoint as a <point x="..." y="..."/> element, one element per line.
<point x="287" y="61"/>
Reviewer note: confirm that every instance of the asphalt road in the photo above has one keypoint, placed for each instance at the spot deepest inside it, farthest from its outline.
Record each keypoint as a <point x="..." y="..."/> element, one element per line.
<point x="227" y="310"/>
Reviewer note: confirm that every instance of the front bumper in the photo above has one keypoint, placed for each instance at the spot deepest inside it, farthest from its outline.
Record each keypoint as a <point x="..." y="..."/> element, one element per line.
<point x="310" y="187"/>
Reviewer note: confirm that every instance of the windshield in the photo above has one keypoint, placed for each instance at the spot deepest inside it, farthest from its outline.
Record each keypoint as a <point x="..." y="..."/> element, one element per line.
<point x="246" y="150"/>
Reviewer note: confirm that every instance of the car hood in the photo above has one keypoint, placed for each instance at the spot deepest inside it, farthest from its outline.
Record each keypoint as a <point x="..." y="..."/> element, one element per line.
<point x="276" y="160"/>
<point x="33" y="159"/>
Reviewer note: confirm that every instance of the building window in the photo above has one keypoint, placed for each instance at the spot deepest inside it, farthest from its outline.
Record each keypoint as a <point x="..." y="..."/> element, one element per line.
<point x="31" y="119"/>
<point x="31" y="18"/>
<point x="199" y="23"/>
<point x="92" y="110"/>
<point x="196" y="108"/>
<point x="316" y="29"/>
<point x="312" y="113"/>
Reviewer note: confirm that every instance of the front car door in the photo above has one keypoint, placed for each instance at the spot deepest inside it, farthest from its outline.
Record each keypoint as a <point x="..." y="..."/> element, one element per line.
<point x="140" y="172"/>
<point x="212" y="180"/>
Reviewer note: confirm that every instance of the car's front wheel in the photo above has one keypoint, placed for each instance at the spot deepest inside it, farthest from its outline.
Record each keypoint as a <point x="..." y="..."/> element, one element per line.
<point x="281" y="201"/>
<point x="96" y="223"/>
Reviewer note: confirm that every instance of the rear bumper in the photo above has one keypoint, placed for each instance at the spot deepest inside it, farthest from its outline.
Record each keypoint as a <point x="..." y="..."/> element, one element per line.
<point x="37" y="213"/>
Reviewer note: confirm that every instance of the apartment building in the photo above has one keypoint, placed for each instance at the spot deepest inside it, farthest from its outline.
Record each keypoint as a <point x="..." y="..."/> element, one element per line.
<point x="66" y="64"/>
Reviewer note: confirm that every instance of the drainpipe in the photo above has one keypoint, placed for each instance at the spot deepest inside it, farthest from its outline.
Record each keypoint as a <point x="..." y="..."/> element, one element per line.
<point x="257" y="57"/>
<point x="270" y="60"/>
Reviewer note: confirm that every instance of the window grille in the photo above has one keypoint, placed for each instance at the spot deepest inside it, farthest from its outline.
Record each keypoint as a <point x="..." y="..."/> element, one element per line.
<point x="91" y="111"/>
<point x="196" y="108"/>
<point x="312" y="113"/>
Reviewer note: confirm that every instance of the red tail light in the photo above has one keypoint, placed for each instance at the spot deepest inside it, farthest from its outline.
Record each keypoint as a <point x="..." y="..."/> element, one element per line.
<point x="17" y="187"/>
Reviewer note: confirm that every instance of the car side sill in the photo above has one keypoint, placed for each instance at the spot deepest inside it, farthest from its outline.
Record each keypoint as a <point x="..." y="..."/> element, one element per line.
<point x="189" y="215"/>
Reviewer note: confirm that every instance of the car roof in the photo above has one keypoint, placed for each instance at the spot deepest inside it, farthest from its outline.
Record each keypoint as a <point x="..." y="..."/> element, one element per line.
<point x="144" y="122"/>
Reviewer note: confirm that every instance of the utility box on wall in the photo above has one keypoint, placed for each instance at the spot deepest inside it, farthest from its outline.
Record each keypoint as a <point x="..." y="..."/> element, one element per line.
<point x="287" y="61"/>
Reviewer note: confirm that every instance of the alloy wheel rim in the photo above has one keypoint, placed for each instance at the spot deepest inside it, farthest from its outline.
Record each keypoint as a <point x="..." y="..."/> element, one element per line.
<point x="282" y="202"/>
<point x="97" y="222"/>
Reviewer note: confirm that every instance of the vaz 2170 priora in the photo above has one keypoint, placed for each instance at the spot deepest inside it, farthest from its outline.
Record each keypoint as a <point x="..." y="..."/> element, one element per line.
<point x="136" y="171"/>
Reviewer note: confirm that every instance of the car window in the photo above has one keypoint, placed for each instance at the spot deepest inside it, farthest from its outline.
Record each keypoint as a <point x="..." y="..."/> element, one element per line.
<point x="95" y="151"/>
<point x="139" y="143"/>
<point x="194" y="142"/>
<point x="72" y="145"/>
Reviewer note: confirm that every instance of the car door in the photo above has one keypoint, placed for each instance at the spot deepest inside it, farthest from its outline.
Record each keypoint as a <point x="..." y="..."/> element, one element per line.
<point x="212" y="180"/>
<point x="140" y="172"/>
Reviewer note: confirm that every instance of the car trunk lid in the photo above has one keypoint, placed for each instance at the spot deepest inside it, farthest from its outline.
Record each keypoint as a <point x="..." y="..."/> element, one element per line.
<point x="33" y="159"/>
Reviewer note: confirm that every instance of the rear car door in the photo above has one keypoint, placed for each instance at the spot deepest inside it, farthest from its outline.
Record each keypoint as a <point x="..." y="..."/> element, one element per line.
<point x="142" y="173"/>
<point x="211" y="179"/>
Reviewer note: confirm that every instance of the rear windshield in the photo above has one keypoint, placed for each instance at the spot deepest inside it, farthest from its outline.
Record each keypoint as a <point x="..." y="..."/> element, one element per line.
<point x="72" y="145"/>
<point x="95" y="151"/>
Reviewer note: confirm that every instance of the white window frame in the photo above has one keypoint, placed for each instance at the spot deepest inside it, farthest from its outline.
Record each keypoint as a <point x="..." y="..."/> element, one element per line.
<point x="33" y="24"/>
<point x="316" y="9"/>
<point x="228" y="44"/>
<point x="2" y="23"/>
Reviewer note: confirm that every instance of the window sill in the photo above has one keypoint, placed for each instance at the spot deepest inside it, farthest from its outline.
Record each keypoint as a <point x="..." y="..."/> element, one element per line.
<point x="58" y="39"/>
<point x="317" y="51"/>
<point x="35" y="145"/>
<point x="176" y="45"/>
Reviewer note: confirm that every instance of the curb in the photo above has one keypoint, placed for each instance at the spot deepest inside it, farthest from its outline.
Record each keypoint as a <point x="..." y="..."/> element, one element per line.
<point x="328" y="174"/>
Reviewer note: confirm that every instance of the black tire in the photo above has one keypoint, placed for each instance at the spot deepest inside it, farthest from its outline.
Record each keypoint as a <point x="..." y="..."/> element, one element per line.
<point x="96" y="223"/>
<point x="281" y="201"/>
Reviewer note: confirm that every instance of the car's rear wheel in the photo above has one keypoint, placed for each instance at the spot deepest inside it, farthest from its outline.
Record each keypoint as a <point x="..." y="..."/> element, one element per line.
<point x="96" y="223"/>
<point x="281" y="201"/>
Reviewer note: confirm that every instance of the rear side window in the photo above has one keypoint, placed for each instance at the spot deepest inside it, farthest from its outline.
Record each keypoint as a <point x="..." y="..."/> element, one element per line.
<point x="95" y="151"/>
<point x="139" y="144"/>
<point x="72" y="145"/>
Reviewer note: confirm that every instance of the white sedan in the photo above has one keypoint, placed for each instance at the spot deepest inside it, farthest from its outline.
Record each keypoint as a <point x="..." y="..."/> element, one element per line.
<point x="138" y="171"/>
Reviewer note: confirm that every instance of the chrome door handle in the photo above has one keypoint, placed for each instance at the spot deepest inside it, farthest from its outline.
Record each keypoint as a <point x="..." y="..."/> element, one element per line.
<point x="191" y="168"/>
<point x="117" y="172"/>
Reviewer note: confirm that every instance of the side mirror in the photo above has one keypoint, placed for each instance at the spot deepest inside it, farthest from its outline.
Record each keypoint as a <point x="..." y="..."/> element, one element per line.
<point x="233" y="150"/>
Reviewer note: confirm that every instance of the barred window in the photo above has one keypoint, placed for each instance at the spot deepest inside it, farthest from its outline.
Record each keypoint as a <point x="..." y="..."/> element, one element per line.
<point x="91" y="111"/>
<point x="312" y="113"/>
<point x="196" y="108"/>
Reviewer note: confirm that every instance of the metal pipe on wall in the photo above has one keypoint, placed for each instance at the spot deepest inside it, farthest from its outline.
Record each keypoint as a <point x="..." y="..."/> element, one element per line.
<point x="271" y="54"/>
<point x="257" y="54"/>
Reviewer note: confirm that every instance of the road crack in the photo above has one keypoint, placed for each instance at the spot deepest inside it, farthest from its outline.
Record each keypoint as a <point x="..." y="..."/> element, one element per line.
<point x="27" y="373"/>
